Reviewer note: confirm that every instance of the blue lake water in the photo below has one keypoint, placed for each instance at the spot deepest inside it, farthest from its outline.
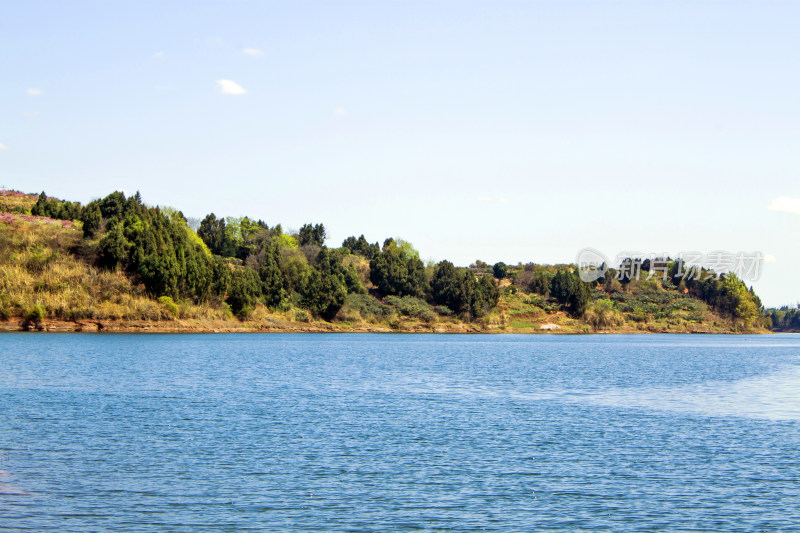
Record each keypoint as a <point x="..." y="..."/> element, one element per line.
<point x="105" y="432"/>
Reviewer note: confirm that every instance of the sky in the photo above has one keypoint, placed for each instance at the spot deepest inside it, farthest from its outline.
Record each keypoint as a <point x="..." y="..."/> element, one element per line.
<point x="500" y="131"/>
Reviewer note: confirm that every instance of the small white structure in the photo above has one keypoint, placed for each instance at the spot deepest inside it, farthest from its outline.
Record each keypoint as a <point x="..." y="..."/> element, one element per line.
<point x="549" y="326"/>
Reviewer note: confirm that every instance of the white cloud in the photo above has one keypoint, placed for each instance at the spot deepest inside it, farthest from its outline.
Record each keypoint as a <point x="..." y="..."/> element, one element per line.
<point x="340" y="111"/>
<point x="3" y="146"/>
<point x="255" y="52"/>
<point x="785" y="204"/>
<point x="159" y="55"/>
<point x="769" y="258"/>
<point x="231" y="87"/>
<point x="34" y="91"/>
<point x="30" y="114"/>
<point x="493" y="200"/>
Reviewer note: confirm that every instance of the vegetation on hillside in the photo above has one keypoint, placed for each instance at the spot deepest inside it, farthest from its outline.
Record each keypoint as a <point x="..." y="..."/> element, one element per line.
<point x="119" y="259"/>
<point x="784" y="319"/>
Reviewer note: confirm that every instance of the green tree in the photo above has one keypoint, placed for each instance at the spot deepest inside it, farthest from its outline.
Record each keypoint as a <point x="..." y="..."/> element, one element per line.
<point x="568" y="290"/>
<point x="446" y="287"/>
<point x="312" y="234"/>
<point x="160" y="274"/>
<point x="91" y="218"/>
<point x="114" y="247"/>
<point x="396" y="272"/>
<point x="212" y="231"/>
<point x="273" y="283"/>
<point x="198" y="276"/>
<point x="220" y="276"/>
<point x="40" y="207"/>
<point x="233" y="238"/>
<point x="322" y="293"/>
<point x="113" y="205"/>
<point x="152" y="244"/>
<point x="361" y="247"/>
<point x="734" y="299"/>
<point x="500" y="270"/>
<point x="540" y="283"/>
<point x="562" y="286"/>
<point x="460" y="291"/>
<point x="330" y="262"/>
<point x="58" y="209"/>
<point x="244" y="292"/>
<point x="581" y="296"/>
<point x="488" y="295"/>
<point x="293" y="264"/>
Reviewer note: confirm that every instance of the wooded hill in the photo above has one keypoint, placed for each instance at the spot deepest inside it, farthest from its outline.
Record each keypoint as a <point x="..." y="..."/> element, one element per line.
<point x="118" y="264"/>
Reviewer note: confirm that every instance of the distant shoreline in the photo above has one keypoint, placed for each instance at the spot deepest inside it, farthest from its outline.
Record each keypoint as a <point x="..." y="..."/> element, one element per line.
<point x="177" y="326"/>
<point x="118" y="265"/>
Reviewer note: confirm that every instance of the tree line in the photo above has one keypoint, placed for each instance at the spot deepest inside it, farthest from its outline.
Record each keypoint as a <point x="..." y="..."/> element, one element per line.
<point x="725" y="293"/>
<point x="784" y="318"/>
<point x="244" y="262"/>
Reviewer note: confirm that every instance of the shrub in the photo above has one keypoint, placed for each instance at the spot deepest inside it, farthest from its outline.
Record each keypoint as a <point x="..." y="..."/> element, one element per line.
<point x="39" y="258"/>
<point x="601" y="315"/>
<point x="443" y="310"/>
<point x="537" y="301"/>
<point x="413" y="307"/>
<point x="35" y="313"/>
<point x="301" y="315"/>
<point x="368" y="307"/>
<point x="170" y="305"/>
<point x="245" y="312"/>
<point x="348" y="314"/>
<point x="260" y="314"/>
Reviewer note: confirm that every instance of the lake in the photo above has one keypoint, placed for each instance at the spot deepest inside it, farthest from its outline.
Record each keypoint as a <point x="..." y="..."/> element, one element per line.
<point x="363" y="432"/>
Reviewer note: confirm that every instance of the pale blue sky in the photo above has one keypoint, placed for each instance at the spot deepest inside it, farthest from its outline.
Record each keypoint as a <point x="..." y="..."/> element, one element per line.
<point x="515" y="131"/>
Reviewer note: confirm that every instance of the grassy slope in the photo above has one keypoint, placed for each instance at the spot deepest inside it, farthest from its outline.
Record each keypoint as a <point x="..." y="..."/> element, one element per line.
<point x="45" y="283"/>
<point x="677" y="314"/>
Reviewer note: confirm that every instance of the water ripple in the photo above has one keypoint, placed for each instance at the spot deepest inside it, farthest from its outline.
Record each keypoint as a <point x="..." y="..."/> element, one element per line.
<point x="399" y="433"/>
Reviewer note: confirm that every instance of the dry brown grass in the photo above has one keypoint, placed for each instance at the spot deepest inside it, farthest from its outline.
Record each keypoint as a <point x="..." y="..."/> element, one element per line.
<point x="361" y="266"/>
<point x="37" y="268"/>
<point x="46" y="271"/>
<point x="16" y="202"/>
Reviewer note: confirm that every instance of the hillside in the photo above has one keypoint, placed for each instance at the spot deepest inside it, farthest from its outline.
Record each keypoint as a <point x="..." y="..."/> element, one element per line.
<point x="123" y="266"/>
